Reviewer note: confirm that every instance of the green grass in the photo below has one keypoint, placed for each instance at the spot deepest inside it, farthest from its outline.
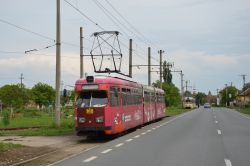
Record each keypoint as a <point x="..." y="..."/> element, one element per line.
<point x="8" y="146"/>
<point x="43" y="119"/>
<point x="244" y="110"/>
<point x="172" y="111"/>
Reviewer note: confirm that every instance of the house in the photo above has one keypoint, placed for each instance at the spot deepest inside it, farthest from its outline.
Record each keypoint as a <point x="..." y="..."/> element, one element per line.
<point x="243" y="98"/>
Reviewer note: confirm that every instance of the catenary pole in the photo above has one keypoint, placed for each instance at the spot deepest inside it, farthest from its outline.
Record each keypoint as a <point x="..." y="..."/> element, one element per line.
<point x="58" y="64"/>
<point x="81" y="53"/>
<point x="130" y="57"/>
<point x="149" y="66"/>
<point x="182" y="88"/>
<point x="160" y="69"/>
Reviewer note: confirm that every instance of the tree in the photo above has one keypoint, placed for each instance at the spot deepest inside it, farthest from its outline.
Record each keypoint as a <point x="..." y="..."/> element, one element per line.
<point x="167" y="76"/>
<point x="43" y="94"/>
<point x="228" y="94"/>
<point x="14" y="96"/>
<point x="172" y="94"/>
<point x="200" y="98"/>
<point x="247" y="85"/>
<point x="187" y="94"/>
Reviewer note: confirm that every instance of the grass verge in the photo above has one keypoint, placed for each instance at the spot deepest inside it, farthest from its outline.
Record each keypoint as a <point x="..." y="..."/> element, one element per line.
<point x="244" y="110"/>
<point x="172" y="111"/>
<point x="8" y="146"/>
<point x="44" y="120"/>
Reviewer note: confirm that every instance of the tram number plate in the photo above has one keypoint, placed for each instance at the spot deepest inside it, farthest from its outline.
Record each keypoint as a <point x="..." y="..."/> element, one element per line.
<point x="89" y="111"/>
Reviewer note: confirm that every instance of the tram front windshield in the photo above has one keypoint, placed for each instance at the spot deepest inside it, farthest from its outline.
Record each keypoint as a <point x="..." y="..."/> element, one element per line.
<point x="92" y="99"/>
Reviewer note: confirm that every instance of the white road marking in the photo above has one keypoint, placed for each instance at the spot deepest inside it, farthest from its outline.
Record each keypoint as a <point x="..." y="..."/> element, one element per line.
<point x="143" y="133"/>
<point x="214" y="116"/>
<point x="153" y="128"/>
<point x="219" y="132"/>
<point x="106" y="151"/>
<point x="137" y="136"/>
<point x="228" y="162"/>
<point x="66" y="158"/>
<point x="216" y="121"/>
<point x="90" y="159"/>
<point x="118" y="145"/>
<point x="128" y="140"/>
<point x="149" y="131"/>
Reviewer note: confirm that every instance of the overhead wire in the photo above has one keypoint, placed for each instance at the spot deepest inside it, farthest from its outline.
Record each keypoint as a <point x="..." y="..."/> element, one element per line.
<point x="84" y="15"/>
<point x="132" y="27"/>
<point x="35" y="33"/>
<point x="105" y="11"/>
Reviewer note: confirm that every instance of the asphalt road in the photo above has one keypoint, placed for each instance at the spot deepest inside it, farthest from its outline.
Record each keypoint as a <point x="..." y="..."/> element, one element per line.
<point x="203" y="137"/>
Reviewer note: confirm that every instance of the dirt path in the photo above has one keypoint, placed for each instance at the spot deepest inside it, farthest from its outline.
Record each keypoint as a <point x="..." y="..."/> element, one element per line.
<point x="44" y="150"/>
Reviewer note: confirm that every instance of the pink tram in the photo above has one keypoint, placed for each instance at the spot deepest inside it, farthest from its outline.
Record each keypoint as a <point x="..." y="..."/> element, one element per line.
<point x="111" y="105"/>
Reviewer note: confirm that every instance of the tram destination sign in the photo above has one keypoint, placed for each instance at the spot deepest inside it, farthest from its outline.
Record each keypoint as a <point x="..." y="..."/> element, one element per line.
<point x="90" y="87"/>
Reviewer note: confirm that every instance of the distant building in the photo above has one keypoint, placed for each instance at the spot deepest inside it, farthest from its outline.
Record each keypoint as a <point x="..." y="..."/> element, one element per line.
<point x="243" y="98"/>
<point x="211" y="98"/>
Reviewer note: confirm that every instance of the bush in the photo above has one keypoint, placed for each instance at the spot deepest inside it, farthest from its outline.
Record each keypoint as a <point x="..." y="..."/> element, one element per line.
<point x="31" y="113"/>
<point x="6" y="117"/>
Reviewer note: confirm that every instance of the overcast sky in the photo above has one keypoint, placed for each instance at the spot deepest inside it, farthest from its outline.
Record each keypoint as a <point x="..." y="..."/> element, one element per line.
<point x="208" y="39"/>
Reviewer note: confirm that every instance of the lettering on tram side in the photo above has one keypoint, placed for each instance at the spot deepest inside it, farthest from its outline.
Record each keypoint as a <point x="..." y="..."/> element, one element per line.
<point x="126" y="118"/>
<point x="137" y="115"/>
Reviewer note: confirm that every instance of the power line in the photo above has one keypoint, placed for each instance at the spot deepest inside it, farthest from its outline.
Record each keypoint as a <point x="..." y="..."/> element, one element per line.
<point x="132" y="27"/>
<point x="114" y="20"/>
<point x="108" y="14"/>
<point x="84" y="15"/>
<point x="34" y="33"/>
<point x="26" y="30"/>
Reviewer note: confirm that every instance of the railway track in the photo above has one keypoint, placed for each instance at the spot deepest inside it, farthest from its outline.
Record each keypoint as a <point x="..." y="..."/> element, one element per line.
<point x="20" y="128"/>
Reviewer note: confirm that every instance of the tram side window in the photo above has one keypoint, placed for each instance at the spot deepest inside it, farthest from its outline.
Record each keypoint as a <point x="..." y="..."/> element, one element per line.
<point x="146" y="97"/>
<point x="114" y="96"/>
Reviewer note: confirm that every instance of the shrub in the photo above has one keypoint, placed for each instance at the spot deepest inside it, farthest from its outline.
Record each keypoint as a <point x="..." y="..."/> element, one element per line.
<point x="6" y="117"/>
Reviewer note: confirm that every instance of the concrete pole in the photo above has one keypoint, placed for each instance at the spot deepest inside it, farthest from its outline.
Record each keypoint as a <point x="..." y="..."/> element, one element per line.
<point x="244" y="85"/>
<point x="58" y="65"/>
<point x="130" y="57"/>
<point x="160" y="69"/>
<point x="226" y="94"/>
<point x="149" y="66"/>
<point x="186" y="82"/>
<point x="81" y="53"/>
<point x="182" y="89"/>
<point x="21" y="78"/>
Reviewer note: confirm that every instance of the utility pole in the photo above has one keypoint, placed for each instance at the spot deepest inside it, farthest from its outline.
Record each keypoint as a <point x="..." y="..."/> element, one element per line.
<point x="226" y="94"/>
<point x="161" y="69"/>
<point x="81" y="53"/>
<point x="130" y="58"/>
<point x="58" y="64"/>
<point x="149" y="66"/>
<point x="186" y="84"/>
<point x="21" y="78"/>
<point x="182" y="88"/>
<point x="217" y="97"/>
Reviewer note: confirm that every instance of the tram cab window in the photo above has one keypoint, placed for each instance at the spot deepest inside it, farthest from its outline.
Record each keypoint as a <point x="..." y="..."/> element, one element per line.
<point x="92" y="99"/>
<point x="114" y="96"/>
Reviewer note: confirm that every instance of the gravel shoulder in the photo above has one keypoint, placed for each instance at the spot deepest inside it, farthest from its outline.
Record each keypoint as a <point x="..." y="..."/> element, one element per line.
<point x="44" y="150"/>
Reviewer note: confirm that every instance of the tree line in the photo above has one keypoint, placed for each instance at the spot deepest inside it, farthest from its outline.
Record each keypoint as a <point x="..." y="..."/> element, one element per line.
<point x="18" y="96"/>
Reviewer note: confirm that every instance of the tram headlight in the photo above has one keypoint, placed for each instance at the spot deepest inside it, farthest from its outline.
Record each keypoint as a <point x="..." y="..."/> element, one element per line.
<point x="99" y="119"/>
<point x="82" y="120"/>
